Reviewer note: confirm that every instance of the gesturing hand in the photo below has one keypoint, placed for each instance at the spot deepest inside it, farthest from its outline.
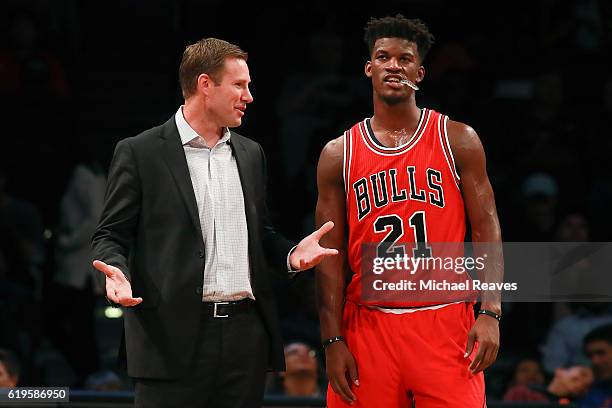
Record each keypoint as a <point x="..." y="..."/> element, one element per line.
<point x="308" y="252"/>
<point x="486" y="332"/>
<point x="118" y="288"/>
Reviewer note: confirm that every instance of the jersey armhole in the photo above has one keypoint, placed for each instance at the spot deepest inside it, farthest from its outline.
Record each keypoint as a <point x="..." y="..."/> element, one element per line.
<point x="346" y="161"/>
<point x="448" y="152"/>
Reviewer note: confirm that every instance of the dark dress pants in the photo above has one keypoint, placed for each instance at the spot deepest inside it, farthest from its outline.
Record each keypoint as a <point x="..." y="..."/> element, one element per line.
<point x="228" y="369"/>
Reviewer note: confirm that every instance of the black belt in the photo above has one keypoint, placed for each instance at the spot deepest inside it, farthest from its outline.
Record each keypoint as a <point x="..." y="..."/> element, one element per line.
<point x="217" y="310"/>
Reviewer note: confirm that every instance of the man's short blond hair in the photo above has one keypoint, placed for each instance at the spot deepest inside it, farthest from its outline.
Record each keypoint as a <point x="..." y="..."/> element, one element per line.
<point x="206" y="56"/>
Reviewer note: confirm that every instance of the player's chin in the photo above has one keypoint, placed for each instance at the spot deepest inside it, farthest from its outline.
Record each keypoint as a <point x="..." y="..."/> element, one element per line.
<point x="394" y="90"/>
<point x="393" y="98"/>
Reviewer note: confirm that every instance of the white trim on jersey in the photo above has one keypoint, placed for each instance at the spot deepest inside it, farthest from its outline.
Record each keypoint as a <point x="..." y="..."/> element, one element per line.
<point x="349" y="149"/>
<point x="412" y="309"/>
<point x="442" y="144"/>
<point x="393" y="151"/>
<point x="344" y="169"/>
<point x="450" y="151"/>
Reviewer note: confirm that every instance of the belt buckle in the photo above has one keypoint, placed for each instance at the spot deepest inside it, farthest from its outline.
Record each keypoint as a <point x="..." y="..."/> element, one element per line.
<point x="215" y="315"/>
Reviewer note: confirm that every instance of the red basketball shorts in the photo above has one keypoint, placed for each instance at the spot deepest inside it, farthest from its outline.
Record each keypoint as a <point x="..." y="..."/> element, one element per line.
<point x="409" y="357"/>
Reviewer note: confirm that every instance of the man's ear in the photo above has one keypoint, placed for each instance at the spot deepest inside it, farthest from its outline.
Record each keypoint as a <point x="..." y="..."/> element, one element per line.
<point x="420" y="74"/>
<point x="204" y="83"/>
<point x="368" y="69"/>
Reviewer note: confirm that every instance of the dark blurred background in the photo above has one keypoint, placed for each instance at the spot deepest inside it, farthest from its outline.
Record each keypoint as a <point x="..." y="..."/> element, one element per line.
<point x="533" y="79"/>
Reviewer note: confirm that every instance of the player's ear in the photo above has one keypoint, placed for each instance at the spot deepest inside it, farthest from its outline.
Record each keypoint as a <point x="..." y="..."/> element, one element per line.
<point x="420" y="74"/>
<point x="368" y="69"/>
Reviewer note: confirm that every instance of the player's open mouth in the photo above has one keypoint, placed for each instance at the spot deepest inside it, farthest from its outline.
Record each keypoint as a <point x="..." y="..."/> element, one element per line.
<point x="393" y="79"/>
<point x="397" y="81"/>
<point x="394" y="82"/>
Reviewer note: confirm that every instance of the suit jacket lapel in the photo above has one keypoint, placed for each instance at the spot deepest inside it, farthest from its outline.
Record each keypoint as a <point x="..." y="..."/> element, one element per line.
<point x="174" y="156"/>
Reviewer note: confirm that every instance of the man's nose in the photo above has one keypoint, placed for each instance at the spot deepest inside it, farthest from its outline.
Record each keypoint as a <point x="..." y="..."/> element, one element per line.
<point x="247" y="97"/>
<point x="393" y="65"/>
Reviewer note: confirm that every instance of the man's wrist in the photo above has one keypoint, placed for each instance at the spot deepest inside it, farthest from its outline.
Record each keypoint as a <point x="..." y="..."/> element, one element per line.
<point x="493" y="307"/>
<point x="490" y="314"/>
<point x="290" y="268"/>
<point x="331" y="340"/>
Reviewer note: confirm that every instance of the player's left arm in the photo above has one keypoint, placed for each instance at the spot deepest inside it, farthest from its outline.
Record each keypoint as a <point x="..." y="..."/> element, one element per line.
<point x="486" y="234"/>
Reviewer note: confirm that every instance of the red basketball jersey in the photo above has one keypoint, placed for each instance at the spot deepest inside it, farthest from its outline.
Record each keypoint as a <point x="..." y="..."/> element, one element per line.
<point x="409" y="194"/>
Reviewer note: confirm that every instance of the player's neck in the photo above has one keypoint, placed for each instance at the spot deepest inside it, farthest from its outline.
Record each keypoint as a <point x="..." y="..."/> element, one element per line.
<point x="390" y="118"/>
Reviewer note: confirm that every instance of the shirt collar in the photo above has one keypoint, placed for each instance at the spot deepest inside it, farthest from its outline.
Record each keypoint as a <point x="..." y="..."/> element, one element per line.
<point x="187" y="133"/>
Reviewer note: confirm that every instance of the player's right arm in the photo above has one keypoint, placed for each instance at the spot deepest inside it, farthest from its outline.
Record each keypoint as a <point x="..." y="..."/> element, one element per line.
<point x="332" y="272"/>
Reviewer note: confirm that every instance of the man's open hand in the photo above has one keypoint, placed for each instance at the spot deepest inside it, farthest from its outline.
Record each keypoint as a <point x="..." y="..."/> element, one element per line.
<point x="118" y="288"/>
<point x="308" y="252"/>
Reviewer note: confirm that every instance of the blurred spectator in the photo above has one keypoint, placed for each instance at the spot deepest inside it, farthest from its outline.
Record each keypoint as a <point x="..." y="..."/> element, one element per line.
<point x="21" y="252"/>
<point x="535" y="219"/>
<point x="103" y="381"/>
<point x="22" y="224"/>
<point x="598" y="348"/>
<point x="567" y="384"/>
<point x="564" y="344"/>
<point x="528" y="371"/>
<point x="573" y="227"/>
<point x="580" y="277"/>
<point x="301" y="378"/>
<point x="9" y="369"/>
<point x="540" y="191"/>
<point x="26" y="66"/>
<point x="72" y="328"/>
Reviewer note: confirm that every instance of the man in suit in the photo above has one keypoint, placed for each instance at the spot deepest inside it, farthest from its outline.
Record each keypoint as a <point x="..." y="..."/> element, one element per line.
<point x="186" y="245"/>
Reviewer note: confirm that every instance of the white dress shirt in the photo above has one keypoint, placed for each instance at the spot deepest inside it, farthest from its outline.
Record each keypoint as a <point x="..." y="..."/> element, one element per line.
<point x="218" y="191"/>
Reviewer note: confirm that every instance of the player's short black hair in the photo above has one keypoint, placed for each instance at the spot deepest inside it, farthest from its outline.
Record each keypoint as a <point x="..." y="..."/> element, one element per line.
<point x="603" y="333"/>
<point x="413" y="30"/>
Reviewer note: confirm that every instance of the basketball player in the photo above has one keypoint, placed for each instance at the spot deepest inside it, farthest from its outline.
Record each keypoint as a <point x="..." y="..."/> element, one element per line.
<point x="408" y="174"/>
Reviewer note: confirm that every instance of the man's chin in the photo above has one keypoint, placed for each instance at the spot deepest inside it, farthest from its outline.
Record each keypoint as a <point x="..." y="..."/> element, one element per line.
<point x="235" y="123"/>
<point x="393" y="100"/>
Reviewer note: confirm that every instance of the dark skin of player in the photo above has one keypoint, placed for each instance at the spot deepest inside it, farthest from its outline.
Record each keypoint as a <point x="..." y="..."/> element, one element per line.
<point x="395" y="111"/>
